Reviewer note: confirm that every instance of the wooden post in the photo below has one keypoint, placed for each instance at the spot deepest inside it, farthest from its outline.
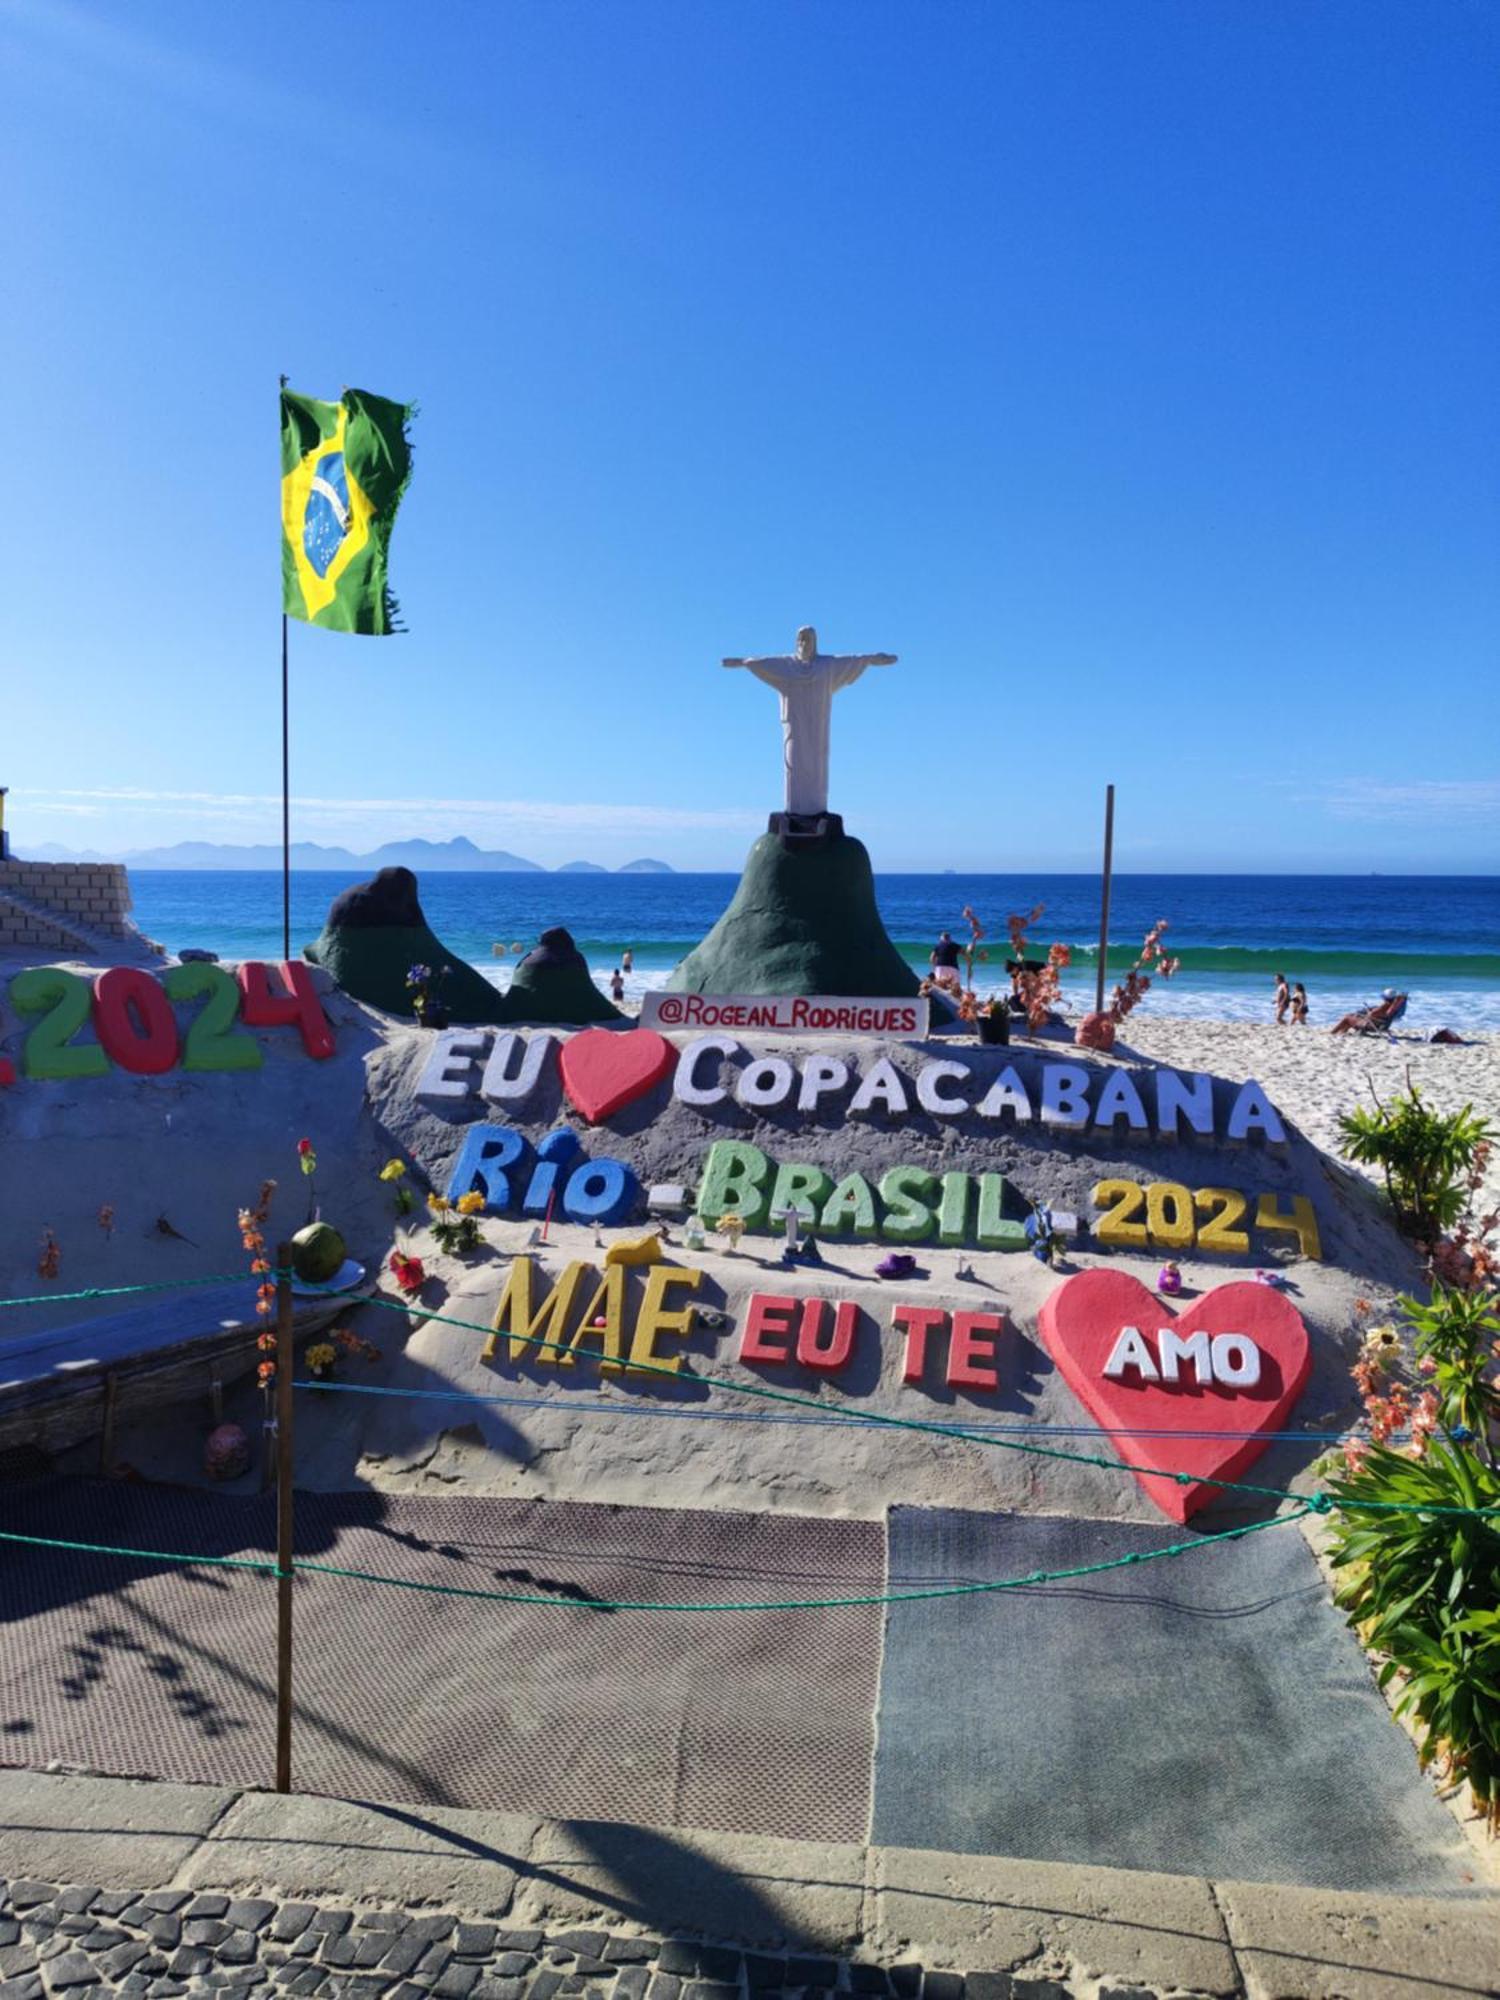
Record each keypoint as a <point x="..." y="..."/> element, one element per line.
<point x="1109" y="862"/>
<point x="284" y="1535"/>
<point x="107" y="1434"/>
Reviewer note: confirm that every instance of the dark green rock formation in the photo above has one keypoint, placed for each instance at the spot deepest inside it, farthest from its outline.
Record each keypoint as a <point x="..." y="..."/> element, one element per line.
<point x="552" y="985"/>
<point x="803" y="920"/>
<point x="375" y="932"/>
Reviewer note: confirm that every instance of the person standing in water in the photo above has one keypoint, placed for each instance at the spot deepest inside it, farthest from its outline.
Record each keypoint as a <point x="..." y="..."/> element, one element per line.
<point x="1299" y="1005"/>
<point x="1283" y="999"/>
<point x="627" y="961"/>
<point x="616" y="986"/>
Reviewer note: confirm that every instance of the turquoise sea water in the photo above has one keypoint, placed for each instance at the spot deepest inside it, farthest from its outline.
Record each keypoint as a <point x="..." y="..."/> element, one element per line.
<point x="1346" y="937"/>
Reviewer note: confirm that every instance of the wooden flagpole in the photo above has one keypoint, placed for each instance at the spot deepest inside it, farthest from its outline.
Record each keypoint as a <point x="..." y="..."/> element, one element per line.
<point x="1109" y="862"/>
<point x="284" y="1523"/>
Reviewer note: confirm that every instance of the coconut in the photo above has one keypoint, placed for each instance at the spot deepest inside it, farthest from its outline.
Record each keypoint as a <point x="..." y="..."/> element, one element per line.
<point x="318" y="1253"/>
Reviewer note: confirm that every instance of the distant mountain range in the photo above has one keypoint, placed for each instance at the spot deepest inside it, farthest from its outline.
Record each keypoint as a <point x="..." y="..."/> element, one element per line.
<point x="431" y="857"/>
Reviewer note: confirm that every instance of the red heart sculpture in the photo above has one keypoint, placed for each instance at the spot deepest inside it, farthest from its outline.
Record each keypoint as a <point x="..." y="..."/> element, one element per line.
<point x="602" y="1070"/>
<point x="1081" y="1323"/>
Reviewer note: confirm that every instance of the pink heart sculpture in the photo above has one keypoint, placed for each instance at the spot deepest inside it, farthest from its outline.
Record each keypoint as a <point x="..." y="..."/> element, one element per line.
<point x="1082" y="1324"/>
<point x="602" y="1070"/>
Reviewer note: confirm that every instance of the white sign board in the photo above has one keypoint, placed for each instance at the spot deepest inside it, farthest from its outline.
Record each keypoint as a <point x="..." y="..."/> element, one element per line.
<point x="794" y="1014"/>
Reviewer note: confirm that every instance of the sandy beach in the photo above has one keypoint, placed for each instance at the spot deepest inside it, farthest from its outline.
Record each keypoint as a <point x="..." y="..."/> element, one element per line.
<point x="1313" y="1075"/>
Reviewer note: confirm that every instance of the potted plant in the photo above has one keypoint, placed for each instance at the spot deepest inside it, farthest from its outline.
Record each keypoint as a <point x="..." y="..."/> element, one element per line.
<point x="994" y="1021"/>
<point x="1097" y="1030"/>
<point x="426" y="995"/>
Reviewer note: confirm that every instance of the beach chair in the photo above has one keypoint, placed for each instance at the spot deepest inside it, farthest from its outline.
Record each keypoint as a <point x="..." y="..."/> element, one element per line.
<point x="1381" y="1018"/>
<point x="1377" y="1019"/>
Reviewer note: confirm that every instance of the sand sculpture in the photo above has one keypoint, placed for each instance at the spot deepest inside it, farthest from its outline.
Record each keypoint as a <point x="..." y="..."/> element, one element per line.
<point x="804" y="918"/>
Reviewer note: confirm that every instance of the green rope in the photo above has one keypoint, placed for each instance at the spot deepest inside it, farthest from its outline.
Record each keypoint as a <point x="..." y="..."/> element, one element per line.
<point x="1320" y="1503"/>
<point x="265" y="1568"/>
<point x="1039" y="1576"/>
<point x="161" y="1285"/>
<point x="1036" y="1577"/>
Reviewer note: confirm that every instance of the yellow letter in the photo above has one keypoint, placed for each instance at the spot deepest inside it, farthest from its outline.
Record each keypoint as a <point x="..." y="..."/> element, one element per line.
<point x="529" y="1331"/>
<point x="655" y="1318"/>
<point x="609" y="1301"/>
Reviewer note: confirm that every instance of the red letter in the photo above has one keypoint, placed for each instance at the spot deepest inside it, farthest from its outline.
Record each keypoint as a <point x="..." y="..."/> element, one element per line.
<point x="917" y="1322"/>
<point x="971" y="1351"/>
<point x="767" y="1314"/>
<point x="812" y="1351"/>
<point x="262" y="1007"/>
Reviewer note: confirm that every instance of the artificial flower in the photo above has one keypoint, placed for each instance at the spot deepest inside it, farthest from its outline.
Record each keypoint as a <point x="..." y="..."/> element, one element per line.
<point x="408" y="1272"/>
<point x="393" y="1170"/>
<point x="471" y="1203"/>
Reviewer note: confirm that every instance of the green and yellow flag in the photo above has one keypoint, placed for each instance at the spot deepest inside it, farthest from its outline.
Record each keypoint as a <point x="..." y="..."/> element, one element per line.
<point x="344" y="468"/>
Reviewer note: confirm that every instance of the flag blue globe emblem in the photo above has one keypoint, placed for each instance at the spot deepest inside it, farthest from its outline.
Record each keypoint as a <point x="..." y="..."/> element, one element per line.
<point x="326" y="522"/>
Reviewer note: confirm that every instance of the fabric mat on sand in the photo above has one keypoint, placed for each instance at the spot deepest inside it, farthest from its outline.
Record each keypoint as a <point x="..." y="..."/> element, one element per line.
<point x="1209" y="1714"/>
<point x="746" y="1722"/>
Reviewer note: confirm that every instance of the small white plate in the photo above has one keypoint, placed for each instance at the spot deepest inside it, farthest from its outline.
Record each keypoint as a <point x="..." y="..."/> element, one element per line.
<point x="344" y="1279"/>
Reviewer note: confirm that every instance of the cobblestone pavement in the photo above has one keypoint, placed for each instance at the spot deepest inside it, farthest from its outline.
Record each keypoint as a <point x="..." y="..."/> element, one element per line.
<point x="77" y="1941"/>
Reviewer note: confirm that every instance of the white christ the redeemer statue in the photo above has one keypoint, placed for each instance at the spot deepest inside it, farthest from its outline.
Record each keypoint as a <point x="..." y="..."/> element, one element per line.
<point x="807" y="681"/>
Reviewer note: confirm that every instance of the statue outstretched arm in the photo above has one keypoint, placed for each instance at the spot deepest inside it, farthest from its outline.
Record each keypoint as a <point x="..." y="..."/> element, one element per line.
<point x="775" y="669"/>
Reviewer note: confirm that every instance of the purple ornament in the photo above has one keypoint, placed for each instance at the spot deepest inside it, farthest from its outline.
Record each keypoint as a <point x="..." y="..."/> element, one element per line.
<point x="226" y="1452"/>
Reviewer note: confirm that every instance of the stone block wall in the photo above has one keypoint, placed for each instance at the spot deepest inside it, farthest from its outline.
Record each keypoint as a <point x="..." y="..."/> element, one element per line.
<point x="95" y="893"/>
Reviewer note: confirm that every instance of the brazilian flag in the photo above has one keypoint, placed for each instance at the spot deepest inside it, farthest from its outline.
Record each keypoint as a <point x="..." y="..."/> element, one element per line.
<point x="344" y="468"/>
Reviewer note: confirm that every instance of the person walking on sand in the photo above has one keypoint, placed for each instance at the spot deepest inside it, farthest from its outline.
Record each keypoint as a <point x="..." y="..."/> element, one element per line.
<point x="616" y="986"/>
<point x="1299" y="1005"/>
<point x="943" y="959"/>
<point x="1283" y="999"/>
<point x="627" y="961"/>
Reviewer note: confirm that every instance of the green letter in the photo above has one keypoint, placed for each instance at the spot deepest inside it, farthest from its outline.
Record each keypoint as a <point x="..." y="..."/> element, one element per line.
<point x="850" y="1206"/>
<point x="906" y="1192"/>
<point x="734" y="1183"/>
<point x="800" y="1186"/>
<point x="994" y="1231"/>
<point x="953" y="1210"/>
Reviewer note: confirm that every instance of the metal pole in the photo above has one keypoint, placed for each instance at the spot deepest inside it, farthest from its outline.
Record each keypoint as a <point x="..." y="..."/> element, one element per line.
<point x="286" y="807"/>
<point x="284" y="1525"/>
<point x="1109" y="862"/>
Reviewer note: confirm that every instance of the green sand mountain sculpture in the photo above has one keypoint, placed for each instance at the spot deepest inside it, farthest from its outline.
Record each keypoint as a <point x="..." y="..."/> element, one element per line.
<point x="803" y="920"/>
<point x="375" y="932"/>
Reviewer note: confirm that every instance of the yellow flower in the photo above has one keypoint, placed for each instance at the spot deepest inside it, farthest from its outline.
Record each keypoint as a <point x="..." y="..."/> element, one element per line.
<point x="393" y="1170"/>
<point x="321" y="1354"/>
<point x="471" y="1203"/>
<point x="438" y="1204"/>
<point x="1382" y="1340"/>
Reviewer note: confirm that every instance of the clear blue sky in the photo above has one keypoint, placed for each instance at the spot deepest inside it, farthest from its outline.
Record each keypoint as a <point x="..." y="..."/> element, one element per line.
<point x="1127" y="368"/>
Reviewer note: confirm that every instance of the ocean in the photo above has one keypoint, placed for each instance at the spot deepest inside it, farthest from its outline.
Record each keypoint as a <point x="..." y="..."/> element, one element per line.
<point x="1346" y="937"/>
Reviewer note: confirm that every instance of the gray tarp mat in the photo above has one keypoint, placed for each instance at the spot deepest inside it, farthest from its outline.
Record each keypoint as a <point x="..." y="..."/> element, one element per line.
<point x="752" y="1722"/>
<point x="1206" y="1715"/>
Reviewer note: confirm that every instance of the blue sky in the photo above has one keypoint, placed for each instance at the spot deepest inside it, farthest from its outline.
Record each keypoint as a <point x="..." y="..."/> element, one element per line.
<point x="1129" y="369"/>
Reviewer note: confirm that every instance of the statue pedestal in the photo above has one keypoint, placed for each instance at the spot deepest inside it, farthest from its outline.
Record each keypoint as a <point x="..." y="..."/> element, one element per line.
<point x="803" y="920"/>
<point x="805" y="829"/>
